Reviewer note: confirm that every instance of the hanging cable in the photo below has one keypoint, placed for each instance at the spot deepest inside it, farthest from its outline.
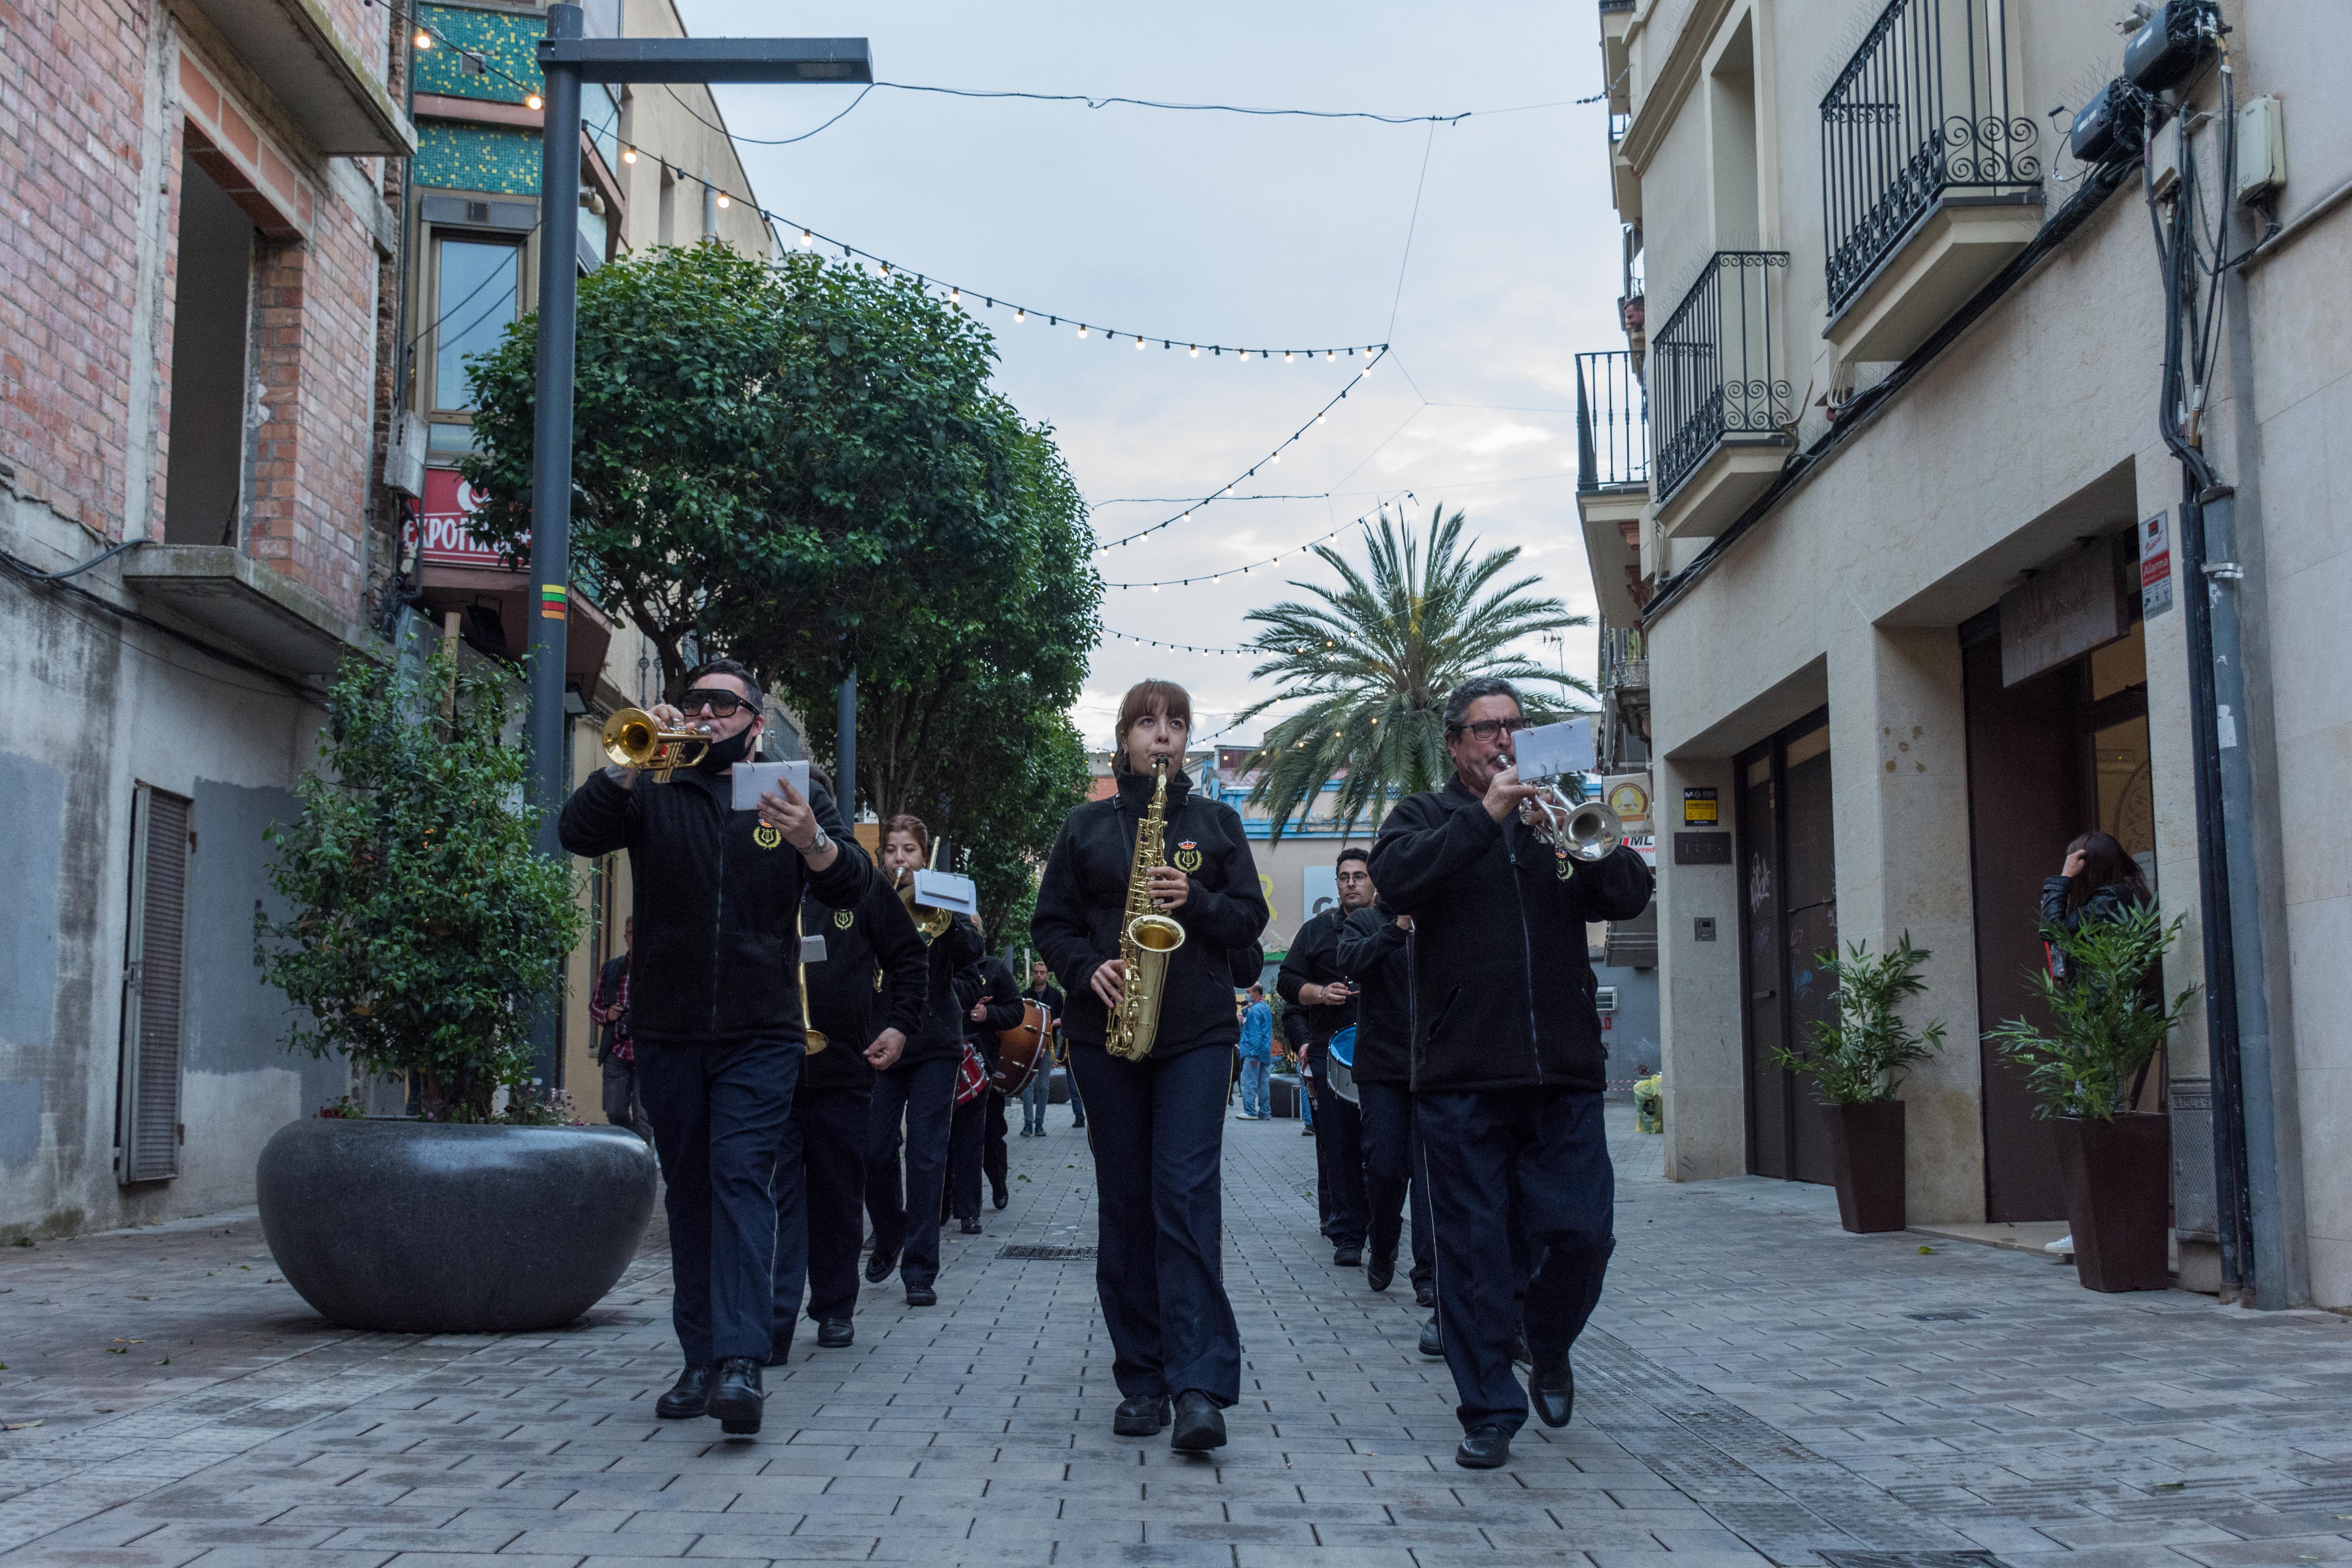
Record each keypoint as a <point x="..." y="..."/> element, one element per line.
<point x="1365" y="522"/>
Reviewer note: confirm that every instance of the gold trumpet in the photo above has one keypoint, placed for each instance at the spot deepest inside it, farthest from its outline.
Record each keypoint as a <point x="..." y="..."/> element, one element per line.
<point x="929" y="923"/>
<point x="633" y="740"/>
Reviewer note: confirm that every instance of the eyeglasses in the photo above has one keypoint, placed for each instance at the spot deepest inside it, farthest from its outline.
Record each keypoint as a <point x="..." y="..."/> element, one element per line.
<point x="720" y="702"/>
<point x="1488" y="729"/>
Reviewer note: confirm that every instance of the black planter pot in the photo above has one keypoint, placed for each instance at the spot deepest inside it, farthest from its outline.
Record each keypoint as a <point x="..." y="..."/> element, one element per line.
<point x="2118" y="1178"/>
<point x="1866" y="1163"/>
<point x="419" y="1227"/>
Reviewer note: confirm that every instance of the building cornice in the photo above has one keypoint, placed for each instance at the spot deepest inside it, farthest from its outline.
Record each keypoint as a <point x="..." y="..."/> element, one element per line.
<point x="1670" y="86"/>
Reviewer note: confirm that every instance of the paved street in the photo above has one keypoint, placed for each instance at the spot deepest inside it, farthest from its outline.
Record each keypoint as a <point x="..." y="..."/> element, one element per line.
<point x="1759" y="1388"/>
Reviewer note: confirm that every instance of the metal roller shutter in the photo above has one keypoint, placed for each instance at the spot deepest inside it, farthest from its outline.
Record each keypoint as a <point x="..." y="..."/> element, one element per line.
<point x="149" y="1128"/>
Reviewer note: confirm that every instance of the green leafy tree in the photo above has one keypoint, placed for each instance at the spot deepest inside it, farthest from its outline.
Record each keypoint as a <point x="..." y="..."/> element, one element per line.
<point x="1859" y="1055"/>
<point x="1373" y="659"/>
<point x="425" y="928"/>
<point x="796" y="448"/>
<point x="2107" y="1016"/>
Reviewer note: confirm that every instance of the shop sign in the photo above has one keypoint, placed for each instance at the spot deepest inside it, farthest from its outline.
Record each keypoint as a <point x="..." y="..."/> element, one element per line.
<point x="1698" y="807"/>
<point x="449" y="503"/>
<point x="2155" y="569"/>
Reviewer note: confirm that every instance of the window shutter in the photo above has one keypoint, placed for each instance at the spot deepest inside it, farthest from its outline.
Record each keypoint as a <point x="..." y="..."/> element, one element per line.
<point x="150" y="1129"/>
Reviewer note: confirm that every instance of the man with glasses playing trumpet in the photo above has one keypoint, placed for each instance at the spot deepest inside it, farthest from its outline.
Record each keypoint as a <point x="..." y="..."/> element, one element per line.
<point x="1507" y="1063"/>
<point x="715" y="1003"/>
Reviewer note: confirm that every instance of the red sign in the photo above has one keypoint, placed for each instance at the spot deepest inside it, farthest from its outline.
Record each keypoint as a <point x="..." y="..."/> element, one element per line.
<point x="449" y="502"/>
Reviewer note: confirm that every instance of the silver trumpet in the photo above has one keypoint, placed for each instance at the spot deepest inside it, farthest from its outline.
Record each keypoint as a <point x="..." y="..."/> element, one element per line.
<point x="1584" y="830"/>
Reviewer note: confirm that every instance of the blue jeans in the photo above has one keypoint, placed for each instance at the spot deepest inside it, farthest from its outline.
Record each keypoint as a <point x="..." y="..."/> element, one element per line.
<point x="1034" y="1097"/>
<point x="1254" y="1100"/>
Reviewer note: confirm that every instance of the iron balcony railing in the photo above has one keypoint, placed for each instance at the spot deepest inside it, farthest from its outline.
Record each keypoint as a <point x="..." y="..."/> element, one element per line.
<point x="1716" y="367"/>
<point x="1924" y="107"/>
<point x="1612" y="422"/>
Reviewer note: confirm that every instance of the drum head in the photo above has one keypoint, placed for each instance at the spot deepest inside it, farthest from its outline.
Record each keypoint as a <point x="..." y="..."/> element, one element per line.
<point x="1343" y="1047"/>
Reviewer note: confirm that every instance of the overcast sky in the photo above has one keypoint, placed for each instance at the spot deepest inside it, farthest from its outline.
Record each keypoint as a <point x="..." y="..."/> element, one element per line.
<point x="1225" y="228"/>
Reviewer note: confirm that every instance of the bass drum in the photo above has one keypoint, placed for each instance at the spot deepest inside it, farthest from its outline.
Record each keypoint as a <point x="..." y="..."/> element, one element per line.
<point x="1341" y="1053"/>
<point x="1023" y="1050"/>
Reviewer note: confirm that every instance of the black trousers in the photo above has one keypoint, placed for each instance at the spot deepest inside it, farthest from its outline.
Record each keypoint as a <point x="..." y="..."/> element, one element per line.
<point x="965" y="1140"/>
<point x="1339" y="1164"/>
<point x="719" y="1112"/>
<point x="1389" y="1164"/>
<point x="819" y="1219"/>
<point x="906" y="1214"/>
<point x="1523" y="1199"/>
<point x="995" y="1159"/>
<point x="1157" y="1129"/>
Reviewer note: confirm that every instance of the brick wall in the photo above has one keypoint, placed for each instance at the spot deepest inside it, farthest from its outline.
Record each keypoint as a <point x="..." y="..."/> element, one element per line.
<point x="72" y="75"/>
<point x="72" y="91"/>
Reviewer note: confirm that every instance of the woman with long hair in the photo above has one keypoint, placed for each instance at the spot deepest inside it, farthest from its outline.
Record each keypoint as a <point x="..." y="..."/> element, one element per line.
<point x="2099" y="881"/>
<point x="1157" y="1124"/>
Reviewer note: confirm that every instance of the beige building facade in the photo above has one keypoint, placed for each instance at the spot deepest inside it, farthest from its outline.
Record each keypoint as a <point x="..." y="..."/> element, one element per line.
<point x="1896" y="565"/>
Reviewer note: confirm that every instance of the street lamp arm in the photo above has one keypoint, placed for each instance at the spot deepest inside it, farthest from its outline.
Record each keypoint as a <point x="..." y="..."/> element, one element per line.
<point x="845" y="61"/>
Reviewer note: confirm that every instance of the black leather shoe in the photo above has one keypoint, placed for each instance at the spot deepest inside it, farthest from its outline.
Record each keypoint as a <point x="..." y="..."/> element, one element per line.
<point x="921" y="1296"/>
<point x="1141" y="1416"/>
<point x="969" y="1227"/>
<point x="1554" y="1392"/>
<point x="879" y="1267"/>
<point x="1002" y="1197"/>
<point x="1380" y="1268"/>
<point x="689" y="1397"/>
<point x="780" y="1353"/>
<point x="1200" y="1425"/>
<point x="1424" y="1294"/>
<point x="1433" y="1343"/>
<point x="835" y="1332"/>
<point x="1348" y="1258"/>
<point x="1488" y="1448"/>
<point x="736" y="1399"/>
<point x="1078" y="1121"/>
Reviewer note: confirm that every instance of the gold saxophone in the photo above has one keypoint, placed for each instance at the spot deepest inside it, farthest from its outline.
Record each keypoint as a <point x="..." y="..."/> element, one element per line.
<point x="1147" y="939"/>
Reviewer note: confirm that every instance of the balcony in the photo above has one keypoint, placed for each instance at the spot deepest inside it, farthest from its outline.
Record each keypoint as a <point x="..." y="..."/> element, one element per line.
<point x="1720" y="406"/>
<point x="1930" y="179"/>
<point x="315" y="74"/>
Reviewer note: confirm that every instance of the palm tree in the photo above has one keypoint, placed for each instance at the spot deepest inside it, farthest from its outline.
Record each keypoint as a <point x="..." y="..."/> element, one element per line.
<point x="1375" y="658"/>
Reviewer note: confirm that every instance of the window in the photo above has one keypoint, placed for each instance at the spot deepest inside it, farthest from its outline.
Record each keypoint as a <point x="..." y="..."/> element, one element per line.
<point x="205" y="481"/>
<point x="1604" y="999"/>
<point x="147" y="1135"/>
<point x="477" y="293"/>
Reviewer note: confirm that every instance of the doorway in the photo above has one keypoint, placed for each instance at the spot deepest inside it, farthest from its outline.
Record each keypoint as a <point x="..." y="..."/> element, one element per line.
<point x="1788" y="915"/>
<point x="205" y="480"/>
<point x="2048" y="758"/>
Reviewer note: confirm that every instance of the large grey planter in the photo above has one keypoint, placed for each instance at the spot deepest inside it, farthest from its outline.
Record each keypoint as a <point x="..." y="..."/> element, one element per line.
<point x="418" y="1227"/>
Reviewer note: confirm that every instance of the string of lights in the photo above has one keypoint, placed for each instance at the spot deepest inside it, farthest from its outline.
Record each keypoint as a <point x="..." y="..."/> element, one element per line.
<point x="1226" y="491"/>
<point x="1364" y="521"/>
<point x="1181" y="646"/>
<point x="427" y="33"/>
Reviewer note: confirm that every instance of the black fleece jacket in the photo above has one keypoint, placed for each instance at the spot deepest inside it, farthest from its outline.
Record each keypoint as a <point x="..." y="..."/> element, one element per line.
<point x="1502" y="988"/>
<point x="939" y="1035"/>
<point x="714" y="894"/>
<point x="1313" y="959"/>
<point x="1002" y="995"/>
<point x="1082" y="906"/>
<point x="874" y="977"/>
<point x="1376" y="954"/>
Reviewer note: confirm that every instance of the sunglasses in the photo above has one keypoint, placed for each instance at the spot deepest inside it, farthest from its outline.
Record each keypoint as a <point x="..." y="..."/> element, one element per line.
<point x="721" y="703"/>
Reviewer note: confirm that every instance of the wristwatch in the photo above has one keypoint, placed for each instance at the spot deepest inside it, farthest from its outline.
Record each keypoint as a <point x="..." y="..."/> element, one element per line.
<point x="823" y="842"/>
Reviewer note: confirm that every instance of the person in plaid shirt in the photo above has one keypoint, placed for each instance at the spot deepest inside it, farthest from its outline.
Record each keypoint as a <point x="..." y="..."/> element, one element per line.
<point x="617" y="1052"/>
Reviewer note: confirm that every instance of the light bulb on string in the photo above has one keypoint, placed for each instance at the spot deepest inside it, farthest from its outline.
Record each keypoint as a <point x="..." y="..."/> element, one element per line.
<point x="629" y="154"/>
<point x="1196" y="351"/>
<point x="1082" y="329"/>
<point x="533" y="103"/>
<point x="725" y="201"/>
<point x="1020" y="315"/>
<point x="424" y="40"/>
<point x="1286" y="356"/>
<point x="806" y="239"/>
<point x="1139" y="345"/>
<point x="955" y="296"/>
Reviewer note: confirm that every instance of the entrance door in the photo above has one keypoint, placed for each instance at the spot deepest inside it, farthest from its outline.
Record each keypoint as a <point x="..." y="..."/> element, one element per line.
<point x="2048" y="759"/>
<point x="1788" y="916"/>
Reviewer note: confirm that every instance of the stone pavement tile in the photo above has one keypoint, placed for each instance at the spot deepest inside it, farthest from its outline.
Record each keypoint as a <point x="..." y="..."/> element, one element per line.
<point x="240" y="1556"/>
<point x="2284" y="1549"/>
<point x="109" y="1557"/>
<point x="843" y="1547"/>
<point x="2099" y="1557"/>
<point x="1247" y="1555"/>
<point x="2076" y="1534"/>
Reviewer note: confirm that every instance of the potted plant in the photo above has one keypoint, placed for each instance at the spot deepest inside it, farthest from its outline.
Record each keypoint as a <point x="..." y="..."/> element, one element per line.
<point x="1858" y="1056"/>
<point x="423" y="931"/>
<point x="2087" y="1071"/>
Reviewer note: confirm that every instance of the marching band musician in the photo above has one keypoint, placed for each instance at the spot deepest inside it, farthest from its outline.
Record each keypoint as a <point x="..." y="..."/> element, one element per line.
<point x="1312" y="981"/>
<point x="715" y="1008"/>
<point x="866" y="998"/>
<point x="976" y="1141"/>
<point x="1507" y="1067"/>
<point x="919" y="1089"/>
<point x="1372" y="954"/>
<point x="1158" y="1122"/>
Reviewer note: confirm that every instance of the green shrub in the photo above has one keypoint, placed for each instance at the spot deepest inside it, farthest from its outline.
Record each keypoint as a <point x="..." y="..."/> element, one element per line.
<point x="425" y="928"/>
<point x="1859" y="1054"/>
<point x="2108" y="1019"/>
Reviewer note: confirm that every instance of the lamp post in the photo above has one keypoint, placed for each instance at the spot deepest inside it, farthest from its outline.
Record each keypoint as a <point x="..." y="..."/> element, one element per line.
<point x="567" y="58"/>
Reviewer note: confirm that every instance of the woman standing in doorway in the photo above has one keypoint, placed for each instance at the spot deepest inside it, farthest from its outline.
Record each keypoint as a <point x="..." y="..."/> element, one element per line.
<point x="2098" y="882"/>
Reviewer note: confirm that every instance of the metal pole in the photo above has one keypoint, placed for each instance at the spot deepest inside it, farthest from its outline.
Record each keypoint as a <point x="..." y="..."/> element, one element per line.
<point x="844" y="747"/>
<point x="2233" y="768"/>
<point x="551" y="466"/>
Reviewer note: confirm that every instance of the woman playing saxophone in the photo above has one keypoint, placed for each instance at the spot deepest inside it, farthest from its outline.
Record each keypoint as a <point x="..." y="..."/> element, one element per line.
<point x="1156" y="1116"/>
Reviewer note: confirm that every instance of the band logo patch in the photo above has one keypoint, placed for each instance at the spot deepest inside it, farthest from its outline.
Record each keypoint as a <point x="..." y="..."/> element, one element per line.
<point x="1187" y="858"/>
<point x="767" y="837"/>
<point x="1560" y="866"/>
<point x="843" y="919"/>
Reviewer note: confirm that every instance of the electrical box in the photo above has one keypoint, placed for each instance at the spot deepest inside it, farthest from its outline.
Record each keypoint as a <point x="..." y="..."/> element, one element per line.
<point x="2261" y="150"/>
<point x="404" y="454"/>
<point x="2109" y="128"/>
